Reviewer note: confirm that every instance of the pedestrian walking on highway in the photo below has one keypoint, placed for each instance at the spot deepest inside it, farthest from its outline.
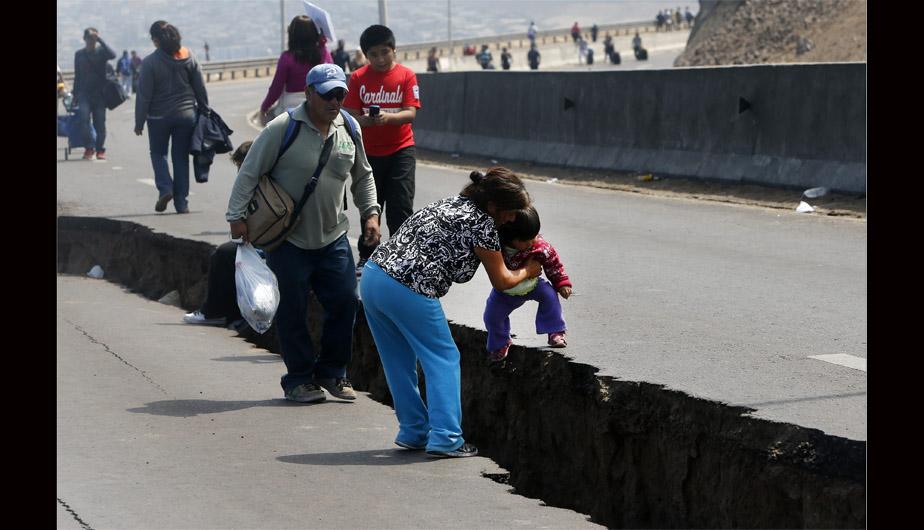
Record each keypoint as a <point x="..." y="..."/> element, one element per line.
<point x="520" y="240"/>
<point x="689" y="17"/>
<point x="136" y="71"/>
<point x="582" y="50"/>
<point x="171" y="92"/>
<point x="484" y="58"/>
<point x="89" y="79"/>
<point x="433" y="62"/>
<point x="636" y="42"/>
<point x="443" y="243"/>
<point x="575" y="32"/>
<point x="316" y="255"/>
<point x="533" y="56"/>
<point x="678" y="18"/>
<point x="206" y="47"/>
<point x="609" y="49"/>
<point x="340" y="56"/>
<point x="305" y="51"/>
<point x="388" y="134"/>
<point x="358" y="60"/>
<point x="220" y="306"/>
<point x="506" y="59"/>
<point x="124" y="67"/>
<point x="531" y="32"/>
<point x="593" y="33"/>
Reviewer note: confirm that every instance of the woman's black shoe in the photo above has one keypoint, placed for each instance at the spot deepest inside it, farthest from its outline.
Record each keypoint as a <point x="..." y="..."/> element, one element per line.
<point x="466" y="449"/>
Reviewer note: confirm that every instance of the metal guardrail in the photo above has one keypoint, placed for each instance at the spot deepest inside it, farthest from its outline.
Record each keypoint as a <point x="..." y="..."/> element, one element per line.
<point x="265" y="66"/>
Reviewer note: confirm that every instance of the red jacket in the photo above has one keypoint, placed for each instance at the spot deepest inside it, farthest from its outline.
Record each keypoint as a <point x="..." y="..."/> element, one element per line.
<point x="547" y="256"/>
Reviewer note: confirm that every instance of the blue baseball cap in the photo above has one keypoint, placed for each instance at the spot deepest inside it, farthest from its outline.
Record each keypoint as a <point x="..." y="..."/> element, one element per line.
<point x="326" y="77"/>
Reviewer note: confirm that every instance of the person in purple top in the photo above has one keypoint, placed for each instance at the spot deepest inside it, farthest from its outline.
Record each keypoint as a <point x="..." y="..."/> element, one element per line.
<point x="306" y="49"/>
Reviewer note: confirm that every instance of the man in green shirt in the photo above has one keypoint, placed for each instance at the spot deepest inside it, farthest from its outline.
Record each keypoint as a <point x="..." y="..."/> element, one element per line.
<point x="316" y="255"/>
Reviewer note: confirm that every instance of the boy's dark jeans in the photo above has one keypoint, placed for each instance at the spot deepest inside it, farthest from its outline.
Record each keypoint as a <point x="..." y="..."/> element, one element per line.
<point x="394" y="187"/>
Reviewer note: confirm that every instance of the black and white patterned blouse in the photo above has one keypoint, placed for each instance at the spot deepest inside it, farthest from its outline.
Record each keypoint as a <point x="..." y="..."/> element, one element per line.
<point x="436" y="246"/>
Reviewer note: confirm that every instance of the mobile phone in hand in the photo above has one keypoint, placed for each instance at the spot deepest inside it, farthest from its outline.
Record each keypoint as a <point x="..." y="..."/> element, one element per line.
<point x="373" y="110"/>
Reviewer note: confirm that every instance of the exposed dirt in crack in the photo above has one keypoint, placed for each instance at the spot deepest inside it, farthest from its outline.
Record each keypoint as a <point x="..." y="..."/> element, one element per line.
<point x="629" y="454"/>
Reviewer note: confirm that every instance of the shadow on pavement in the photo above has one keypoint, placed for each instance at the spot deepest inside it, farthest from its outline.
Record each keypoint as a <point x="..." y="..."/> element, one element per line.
<point x="187" y="408"/>
<point x="256" y="359"/>
<point x="379" y="457"/>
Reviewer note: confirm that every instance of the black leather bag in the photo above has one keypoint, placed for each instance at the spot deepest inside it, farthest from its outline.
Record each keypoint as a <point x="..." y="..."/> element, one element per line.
<point x="113" y="96"/>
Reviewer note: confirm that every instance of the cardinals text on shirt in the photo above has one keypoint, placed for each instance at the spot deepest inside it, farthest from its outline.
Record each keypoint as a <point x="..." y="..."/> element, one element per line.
<point x="381" y="96"/>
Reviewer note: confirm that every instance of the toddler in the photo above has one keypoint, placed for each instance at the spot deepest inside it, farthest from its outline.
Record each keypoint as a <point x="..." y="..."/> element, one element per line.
<point x="520" y="240"/>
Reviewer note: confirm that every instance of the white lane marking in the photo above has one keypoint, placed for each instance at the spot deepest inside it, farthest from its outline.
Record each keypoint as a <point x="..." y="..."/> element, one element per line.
<point x="116" y="168"/>
<point x="150" y="182"/>
<point x="850" y="361"/>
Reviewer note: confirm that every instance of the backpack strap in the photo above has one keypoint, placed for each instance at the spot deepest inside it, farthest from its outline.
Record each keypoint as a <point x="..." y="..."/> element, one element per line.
<point x="351" y="123"/>
<point x="292" y="128"/>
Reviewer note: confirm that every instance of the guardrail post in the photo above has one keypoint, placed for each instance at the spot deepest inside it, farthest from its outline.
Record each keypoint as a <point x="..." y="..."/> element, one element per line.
<point x="232" y="74"/>
<point x="220" y="75"/>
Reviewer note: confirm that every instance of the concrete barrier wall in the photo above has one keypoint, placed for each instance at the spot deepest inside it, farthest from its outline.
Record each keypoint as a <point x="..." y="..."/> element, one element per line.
<point x="806" y="125"/>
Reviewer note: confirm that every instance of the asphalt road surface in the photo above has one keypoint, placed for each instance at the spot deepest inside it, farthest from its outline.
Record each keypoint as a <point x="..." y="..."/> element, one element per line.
<point x="724" y="302"/>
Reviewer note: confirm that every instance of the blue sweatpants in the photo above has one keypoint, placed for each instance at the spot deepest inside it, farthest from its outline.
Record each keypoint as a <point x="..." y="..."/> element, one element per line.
<point x="408" y="327"/>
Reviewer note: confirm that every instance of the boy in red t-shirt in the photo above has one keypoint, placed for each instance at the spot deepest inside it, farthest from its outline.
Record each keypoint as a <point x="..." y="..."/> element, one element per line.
<point x="388" y="138"/>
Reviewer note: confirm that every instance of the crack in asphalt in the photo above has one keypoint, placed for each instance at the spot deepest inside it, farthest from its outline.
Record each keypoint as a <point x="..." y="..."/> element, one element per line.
<point x="117" y="356"/>
<point x="74" y="514"/>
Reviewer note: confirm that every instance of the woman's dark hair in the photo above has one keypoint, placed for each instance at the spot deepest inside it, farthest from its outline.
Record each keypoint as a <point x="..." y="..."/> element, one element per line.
<point x="167" y="36"/>
<point x="376" y="35"/>
<point x="499" y="186"/>
<point x="239" y="154"/>
<point x="304" y="40"/>
<point x="525" y="226"/>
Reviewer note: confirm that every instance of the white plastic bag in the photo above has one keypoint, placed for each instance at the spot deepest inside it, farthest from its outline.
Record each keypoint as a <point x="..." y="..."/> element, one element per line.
<point x="257" y="290"/>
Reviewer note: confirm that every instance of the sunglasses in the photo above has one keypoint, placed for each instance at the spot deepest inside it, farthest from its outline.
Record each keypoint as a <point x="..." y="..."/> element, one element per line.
<point x="338" y="93"/>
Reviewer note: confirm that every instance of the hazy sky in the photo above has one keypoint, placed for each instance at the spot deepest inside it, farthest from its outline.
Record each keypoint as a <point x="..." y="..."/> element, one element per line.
<point x="237" y="28"/>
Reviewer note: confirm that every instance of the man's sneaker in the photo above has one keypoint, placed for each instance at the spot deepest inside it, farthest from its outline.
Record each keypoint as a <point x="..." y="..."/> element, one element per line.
<point x="557" y="340"/>
<point x="410" y="447"/>
<point x="101" y="155"/>
<point x="499" y="355"/>
<point x="339" y="388"/>
<point x="161" y="204"/>
<point x="359" y="267"/>
<point x="306" y="393"/>
<point x="466" y="449"/>
<point x="198" y="317"/>
<point x="184" y="209"/>
<point x="88" y="154"/>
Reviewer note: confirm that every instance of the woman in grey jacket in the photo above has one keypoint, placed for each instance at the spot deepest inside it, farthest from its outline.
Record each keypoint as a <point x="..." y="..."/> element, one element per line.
<point x="170" y="89"/>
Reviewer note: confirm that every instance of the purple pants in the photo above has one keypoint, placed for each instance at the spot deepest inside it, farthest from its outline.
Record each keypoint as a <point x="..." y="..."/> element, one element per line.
<point x="497" y="313"/>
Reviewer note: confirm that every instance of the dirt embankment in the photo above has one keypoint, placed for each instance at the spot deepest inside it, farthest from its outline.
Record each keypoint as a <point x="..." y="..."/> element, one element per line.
<point x="776" y="31"/>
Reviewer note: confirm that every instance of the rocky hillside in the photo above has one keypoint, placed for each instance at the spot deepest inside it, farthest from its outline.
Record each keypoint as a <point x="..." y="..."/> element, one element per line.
<point x="776" y="31"/>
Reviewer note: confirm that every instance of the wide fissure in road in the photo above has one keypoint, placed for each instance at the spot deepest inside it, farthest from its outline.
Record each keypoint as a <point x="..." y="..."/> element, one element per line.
<point x="629" y="454"/>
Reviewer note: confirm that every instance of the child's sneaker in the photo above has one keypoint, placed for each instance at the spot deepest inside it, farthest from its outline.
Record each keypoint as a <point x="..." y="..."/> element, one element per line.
<point x="557" y="340"/>
<point x="499" y="355"/>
